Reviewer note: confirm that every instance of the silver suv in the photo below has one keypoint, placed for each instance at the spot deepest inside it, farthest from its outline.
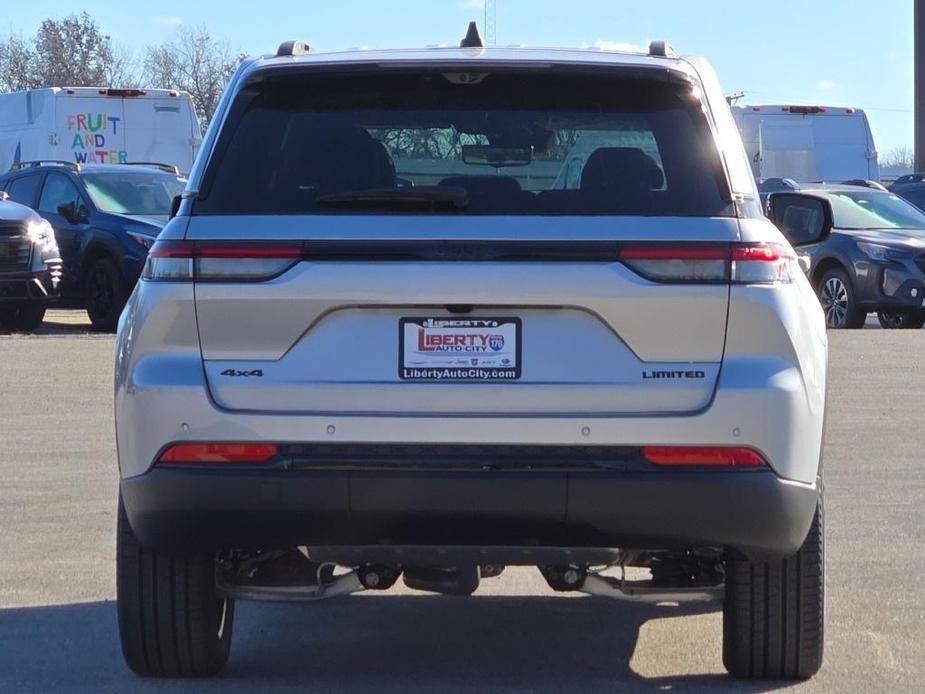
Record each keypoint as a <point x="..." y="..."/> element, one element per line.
<point x="426" y="314"/>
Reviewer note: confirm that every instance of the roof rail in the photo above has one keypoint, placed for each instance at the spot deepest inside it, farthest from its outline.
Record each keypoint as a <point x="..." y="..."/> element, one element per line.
<point x="19" y="165"/>
<point x="662" y="49"/>
<point x="169" y="168"/>
<point x="289" y="48"/>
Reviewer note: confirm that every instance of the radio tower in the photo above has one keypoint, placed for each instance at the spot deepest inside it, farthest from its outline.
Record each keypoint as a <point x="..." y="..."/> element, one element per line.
<point x="490" y="22"/>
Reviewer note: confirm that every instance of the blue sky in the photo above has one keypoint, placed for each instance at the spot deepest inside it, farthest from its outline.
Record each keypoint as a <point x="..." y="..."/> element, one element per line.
<point x="833" y="52"/>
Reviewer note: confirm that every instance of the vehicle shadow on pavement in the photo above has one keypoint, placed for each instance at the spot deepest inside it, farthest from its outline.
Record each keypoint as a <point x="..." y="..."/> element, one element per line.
<point x="382" y="643"/>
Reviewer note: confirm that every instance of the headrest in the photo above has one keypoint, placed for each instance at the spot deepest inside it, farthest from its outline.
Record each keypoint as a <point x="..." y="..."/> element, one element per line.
<point x="621" y="167"/>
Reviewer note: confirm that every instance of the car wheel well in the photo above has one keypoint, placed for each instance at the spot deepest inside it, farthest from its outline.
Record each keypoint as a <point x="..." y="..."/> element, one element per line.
<point x="824" y="267"/>
<point x="93" y="255"/>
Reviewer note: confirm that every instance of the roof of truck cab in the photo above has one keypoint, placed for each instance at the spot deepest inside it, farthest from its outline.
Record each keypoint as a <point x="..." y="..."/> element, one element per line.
<point x="447" y="57"/>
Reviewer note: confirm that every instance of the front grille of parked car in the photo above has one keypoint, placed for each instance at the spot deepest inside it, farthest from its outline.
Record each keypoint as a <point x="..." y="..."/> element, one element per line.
<point x="15" y="248"/>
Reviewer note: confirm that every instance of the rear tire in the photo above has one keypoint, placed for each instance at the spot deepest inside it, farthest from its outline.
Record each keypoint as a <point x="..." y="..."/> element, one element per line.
<point x="836" y="294"/>
<point x="171" y="622"/>
<point x="25" y="318"/>
<point x="901" y="321"/>
<point x="773" y="614"/>
<point x="104" y="294"/>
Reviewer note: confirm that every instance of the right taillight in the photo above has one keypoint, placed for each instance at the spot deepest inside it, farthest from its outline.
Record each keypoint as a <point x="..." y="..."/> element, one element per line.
<point x="174" y="261"/>
<point x="767" y="263"/>
<point x="763" y="263"/>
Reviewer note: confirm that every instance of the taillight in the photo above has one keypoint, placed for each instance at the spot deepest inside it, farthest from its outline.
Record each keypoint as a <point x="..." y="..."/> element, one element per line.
<point x="703" y="456"/>
<point x="764" y="263"/>
<point x="665" y="263"/>
<point x="172" y="261"/>
<point x="219" y="453"/>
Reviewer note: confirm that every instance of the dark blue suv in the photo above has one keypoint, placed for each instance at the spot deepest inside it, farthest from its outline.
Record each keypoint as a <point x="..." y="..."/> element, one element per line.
<point x="105" y="219"/>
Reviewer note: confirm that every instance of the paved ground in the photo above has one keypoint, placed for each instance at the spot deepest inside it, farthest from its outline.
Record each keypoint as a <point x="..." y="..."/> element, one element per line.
<point x="58" y="622"/>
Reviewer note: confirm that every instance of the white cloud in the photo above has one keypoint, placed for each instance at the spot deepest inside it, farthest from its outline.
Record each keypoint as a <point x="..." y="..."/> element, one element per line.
<point x="165" y="21"/>
<point x="621" y="46"/>
<point x="827" y="85"/>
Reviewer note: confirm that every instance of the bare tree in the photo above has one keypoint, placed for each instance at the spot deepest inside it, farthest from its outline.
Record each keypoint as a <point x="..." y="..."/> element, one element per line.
<point x="17" y="65"/>
<point x="898" y="158"/>
<point x="193" y="62"/>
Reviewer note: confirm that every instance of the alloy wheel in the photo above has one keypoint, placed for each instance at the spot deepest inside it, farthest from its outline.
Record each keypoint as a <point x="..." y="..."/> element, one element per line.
<point x="835" y="302"/>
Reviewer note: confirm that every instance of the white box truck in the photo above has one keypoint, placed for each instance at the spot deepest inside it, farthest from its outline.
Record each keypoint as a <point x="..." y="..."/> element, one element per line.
<point x="89" y="125"/>
<point x="808" y="143"/>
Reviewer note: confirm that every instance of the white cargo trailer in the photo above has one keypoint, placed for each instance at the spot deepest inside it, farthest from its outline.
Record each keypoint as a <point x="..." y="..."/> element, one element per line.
<point x="89" y="125"/>
<point x="808" y="143"/>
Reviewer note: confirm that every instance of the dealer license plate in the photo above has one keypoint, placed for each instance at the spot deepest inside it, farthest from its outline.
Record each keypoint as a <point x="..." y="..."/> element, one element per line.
<point x="459" y="349"/>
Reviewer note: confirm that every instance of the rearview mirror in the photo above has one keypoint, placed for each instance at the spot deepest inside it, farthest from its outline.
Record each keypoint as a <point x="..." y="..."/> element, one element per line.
<point x="488" y="155"/>
<point x="803" y="219"/>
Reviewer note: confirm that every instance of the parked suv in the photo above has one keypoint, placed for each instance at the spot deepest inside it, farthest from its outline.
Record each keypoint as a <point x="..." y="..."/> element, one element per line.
<point x="30" y="266"/>
<point x="105" y="219"/>
<point x="873" y="262"/>
<point x="377" y="342"/>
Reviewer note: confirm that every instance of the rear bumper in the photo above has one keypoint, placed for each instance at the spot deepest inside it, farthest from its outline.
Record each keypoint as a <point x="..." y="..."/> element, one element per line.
<point x="752" y="512"/>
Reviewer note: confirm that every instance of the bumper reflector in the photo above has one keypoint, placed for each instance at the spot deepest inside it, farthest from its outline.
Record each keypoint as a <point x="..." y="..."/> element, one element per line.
<point x="221" y="453"/>
<point x="702" y="456"/>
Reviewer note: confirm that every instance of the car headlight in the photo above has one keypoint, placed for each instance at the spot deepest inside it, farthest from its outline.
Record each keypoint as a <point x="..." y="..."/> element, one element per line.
<point x="876" y="251"/>
<point x="42" y="236"/>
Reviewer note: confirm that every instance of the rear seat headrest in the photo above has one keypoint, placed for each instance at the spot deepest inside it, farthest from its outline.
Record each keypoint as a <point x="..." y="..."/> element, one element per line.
<point x="614" y="168"/>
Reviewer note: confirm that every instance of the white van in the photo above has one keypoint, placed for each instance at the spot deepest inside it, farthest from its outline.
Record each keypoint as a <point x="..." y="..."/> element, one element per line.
<point x="89" y="125"/>
<point x="808" y="143"/>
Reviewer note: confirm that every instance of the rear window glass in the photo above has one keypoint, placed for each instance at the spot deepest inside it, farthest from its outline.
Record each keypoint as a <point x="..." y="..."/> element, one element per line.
<point x="528" y="143"/>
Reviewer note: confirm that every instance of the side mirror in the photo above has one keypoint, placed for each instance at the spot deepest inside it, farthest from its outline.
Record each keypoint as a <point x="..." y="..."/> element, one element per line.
<point x="175" y="205"/>
<point x="803" y="219"/>
<point x="75" y="214"/>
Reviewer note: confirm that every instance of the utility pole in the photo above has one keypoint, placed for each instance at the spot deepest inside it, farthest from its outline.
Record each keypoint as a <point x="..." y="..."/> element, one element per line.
<point x="918" y="62"/>
<point x="491" y="22"/>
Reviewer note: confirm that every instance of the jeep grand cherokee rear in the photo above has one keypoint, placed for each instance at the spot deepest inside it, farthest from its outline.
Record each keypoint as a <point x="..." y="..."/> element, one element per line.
<point x="424" y="314"/>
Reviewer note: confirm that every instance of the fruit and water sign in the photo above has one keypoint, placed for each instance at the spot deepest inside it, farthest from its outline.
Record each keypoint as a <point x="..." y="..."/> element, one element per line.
<point x="96" y="138"/>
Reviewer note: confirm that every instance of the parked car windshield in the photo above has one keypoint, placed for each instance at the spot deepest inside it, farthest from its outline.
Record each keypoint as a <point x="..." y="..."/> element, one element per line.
<point x="137" y="193"/>
<point x="870" y="209"/>
<point x="501" y="143"/>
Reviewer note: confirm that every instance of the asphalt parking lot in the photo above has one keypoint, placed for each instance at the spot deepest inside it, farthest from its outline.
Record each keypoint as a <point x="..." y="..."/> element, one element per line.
<point x="57" y="587"/>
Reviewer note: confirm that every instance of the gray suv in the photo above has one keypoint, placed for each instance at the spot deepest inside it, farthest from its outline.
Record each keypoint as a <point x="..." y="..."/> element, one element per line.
<point x="30" y="266"/>
<point x="424" y="314"/>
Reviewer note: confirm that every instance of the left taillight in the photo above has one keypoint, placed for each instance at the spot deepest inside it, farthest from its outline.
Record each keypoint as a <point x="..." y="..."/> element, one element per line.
<point x="178" y="261"/>
<point x="219" y="454"/>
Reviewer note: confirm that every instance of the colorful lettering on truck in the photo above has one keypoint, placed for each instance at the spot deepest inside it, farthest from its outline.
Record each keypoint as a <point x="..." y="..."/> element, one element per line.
<point x="89" y="143"/>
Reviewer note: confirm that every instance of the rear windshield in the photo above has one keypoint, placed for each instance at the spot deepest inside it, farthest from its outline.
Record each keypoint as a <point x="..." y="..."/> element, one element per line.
<point x="499" y="143"/>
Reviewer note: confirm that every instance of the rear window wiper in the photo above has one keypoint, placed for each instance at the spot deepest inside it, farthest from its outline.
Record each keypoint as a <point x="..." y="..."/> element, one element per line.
<point x="423" y="198"/>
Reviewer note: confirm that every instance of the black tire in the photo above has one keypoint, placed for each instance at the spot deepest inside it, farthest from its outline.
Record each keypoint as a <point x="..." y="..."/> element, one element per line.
<point x="836" y="294"/>
<point x="901" y="321"/>
<point x="24" y="318"/>
<point x="773" y="613"/>
<point x="171" y="622"/>
<point x="104" y="294"/>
